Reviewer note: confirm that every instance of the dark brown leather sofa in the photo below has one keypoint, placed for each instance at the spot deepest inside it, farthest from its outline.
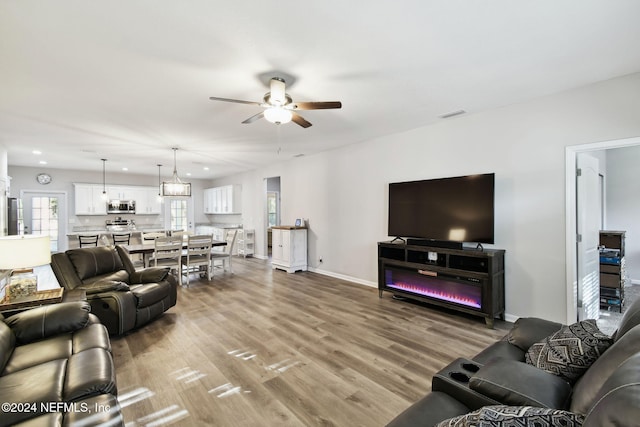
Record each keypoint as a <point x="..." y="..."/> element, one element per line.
<point x="121" y="297"/>
<point x="56" y="368"/>
<point x="606" y="394"/>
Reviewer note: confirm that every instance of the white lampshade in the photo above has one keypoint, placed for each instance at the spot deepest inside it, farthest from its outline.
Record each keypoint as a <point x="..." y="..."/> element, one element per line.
<point x="277" y="115"/>
<point x="27" y="251"/>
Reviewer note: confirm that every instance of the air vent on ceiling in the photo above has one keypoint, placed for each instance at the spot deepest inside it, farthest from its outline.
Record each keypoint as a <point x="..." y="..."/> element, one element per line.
<point x="451" y="114"/>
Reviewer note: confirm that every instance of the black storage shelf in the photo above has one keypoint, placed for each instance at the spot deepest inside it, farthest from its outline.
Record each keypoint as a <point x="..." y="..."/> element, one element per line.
<point x="480" y="272"/>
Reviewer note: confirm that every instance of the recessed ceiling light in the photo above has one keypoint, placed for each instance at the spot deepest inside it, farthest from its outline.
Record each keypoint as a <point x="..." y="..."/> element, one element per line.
<point x="37" y="152"/>
<point x="125" y="169"/>
<point x="43" y="162"/>
<point x="188" y="173"/>
<point x="206" y="168"/>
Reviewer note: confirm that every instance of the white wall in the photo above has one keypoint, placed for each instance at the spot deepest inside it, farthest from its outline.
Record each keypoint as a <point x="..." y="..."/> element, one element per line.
<point x="623" y="203"/>
<point x="343" y="192"/>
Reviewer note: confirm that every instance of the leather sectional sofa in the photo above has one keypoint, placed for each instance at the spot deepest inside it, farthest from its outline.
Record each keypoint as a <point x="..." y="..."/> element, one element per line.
<point x="508" y="384"/>
<point x="121" y="297"/>
<point x="56" y="368"/>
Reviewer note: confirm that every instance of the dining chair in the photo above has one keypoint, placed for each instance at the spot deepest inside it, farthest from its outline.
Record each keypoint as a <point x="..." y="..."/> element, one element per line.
<point x="88" y="240"/>
<point x="148" y="237"/>
<point x="121" y="239"/>
<point x="223" y="253"/>
<point x="198" y="254"/>
<point x="168" y="253"/>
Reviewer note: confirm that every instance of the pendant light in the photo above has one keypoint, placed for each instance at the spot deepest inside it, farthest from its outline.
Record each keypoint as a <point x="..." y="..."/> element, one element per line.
<point x="175" y="187"/>
<point x="104" y="179"/>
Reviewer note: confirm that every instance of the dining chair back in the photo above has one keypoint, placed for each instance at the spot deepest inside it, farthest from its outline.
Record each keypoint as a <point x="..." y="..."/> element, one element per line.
<point x="88" y="240"/>
<point x="121" y="239"/>
<point x="168" y="253"/>
<point x="148" y="237"/>
<point x="198" y="254"/>
<point x="223" y="253"/>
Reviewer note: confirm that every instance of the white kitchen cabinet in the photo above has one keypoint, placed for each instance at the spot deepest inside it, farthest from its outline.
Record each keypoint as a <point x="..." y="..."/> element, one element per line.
<point x="245" y="241"/>
<point x="289" y="248"/>
<point x="147" y="201"/>
<point x="223" y="200"/>
<point x="89" y="199"/>
<point x="121" y="192"/>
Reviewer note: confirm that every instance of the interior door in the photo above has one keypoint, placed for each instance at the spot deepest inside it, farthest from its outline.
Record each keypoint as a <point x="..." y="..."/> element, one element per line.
<point x="45" y="213"/>
<point x="588" y="236"/>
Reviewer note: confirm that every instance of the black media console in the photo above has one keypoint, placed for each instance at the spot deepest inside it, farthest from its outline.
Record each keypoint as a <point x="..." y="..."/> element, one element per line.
<point x="467" y="280"/>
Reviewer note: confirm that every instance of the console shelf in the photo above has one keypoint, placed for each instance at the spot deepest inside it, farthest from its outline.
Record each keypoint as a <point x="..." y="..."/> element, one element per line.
<point x="466" y="280"/>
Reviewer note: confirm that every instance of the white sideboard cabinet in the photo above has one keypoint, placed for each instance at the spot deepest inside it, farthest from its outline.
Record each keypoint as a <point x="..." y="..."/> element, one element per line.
<point x="289" y="248"/>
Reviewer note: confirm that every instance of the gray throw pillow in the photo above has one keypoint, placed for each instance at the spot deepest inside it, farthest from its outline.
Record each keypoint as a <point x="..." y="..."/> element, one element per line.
<point x="514" y="416"/>
<point x="569" y="352"/>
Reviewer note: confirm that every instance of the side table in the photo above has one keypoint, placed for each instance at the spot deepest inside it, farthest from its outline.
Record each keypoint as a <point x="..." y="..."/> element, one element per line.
<point x="67" y="296"/>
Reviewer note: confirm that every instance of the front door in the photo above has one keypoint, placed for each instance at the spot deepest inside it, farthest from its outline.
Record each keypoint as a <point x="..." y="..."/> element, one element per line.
<point x="45" y="213"/>
<point x="588" y="229"/>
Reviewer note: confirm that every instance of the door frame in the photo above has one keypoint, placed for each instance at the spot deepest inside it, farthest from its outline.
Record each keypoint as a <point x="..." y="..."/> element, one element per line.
<point x="63" y="217"/>
<point x="571" y="153"/>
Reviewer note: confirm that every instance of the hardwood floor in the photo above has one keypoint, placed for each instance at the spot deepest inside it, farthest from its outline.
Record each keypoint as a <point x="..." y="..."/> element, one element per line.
<point x="267" y="348"/>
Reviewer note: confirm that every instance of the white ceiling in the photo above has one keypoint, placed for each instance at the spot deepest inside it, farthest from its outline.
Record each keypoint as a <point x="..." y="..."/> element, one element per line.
<point x="127" y="80"/>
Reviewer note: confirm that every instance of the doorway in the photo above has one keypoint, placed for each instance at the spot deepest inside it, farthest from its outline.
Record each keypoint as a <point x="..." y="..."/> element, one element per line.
<point x="571" y="247"/>
<point x="45" y="213"/>
<point x="272" y="208"/>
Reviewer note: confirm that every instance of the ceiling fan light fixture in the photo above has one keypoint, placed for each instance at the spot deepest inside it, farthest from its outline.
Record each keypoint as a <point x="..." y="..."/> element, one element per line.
<point x="278" y="115"/>
<point x="277" y="95"/>
<point x="175" y="187"/>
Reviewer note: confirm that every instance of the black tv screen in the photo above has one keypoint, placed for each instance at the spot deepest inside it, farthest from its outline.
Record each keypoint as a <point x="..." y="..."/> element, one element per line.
<point x="459" y="209"/>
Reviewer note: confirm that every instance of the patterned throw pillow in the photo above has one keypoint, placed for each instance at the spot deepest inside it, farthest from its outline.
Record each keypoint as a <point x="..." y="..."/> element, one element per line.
<point x="569" y="352"/>
<point x="515" y="416"/>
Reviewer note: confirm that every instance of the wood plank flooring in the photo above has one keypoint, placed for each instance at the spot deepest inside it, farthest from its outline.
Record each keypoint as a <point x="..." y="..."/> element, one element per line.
<point x="266" y="348"/>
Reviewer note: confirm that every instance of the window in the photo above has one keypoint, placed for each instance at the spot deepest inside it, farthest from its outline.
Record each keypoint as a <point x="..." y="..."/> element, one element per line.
<point x="272" y="208"/>
<point x="44" y="218"/>
<point x="178" y="214"/>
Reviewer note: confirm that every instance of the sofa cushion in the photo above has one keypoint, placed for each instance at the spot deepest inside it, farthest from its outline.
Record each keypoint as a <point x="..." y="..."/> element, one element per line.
<point x="7" y="344"/>
<point x="499" y="350"/>
<point x="28" y="355"/>
<point x="429" y="410"/>
<point x="90" y="262"/>
<point x="510" y="416"/>
<point x="79" y="385"/>
<point x="40" y="383"/>
<point x="526" y="331"/>
<point x="616" y="403"/>
<point x="586" y="388"/>
<point x="100" y="286"/>
<point x="570" y="351"/>
<point x="516" y="383"/>
<point x="114" y="276"/>
<point x="630" y="319"/>
<point x="49" y="320"/>
<point x="150" y="275"/>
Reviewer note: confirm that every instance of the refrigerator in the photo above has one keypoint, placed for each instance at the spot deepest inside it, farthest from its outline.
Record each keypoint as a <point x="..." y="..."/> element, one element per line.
<point x="12" y="216"/>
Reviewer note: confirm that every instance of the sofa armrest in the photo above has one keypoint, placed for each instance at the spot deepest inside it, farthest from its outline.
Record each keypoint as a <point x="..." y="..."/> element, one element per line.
<point x="49" y="320"/>
<point x="104" y="286"/>
<point x="516" y="383"/>
<point x="527" y="331"/>
<point x="149" y="275"/>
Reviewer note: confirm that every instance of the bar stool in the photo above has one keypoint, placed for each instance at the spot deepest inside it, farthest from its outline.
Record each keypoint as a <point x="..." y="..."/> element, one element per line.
<point x="88" y="240"/>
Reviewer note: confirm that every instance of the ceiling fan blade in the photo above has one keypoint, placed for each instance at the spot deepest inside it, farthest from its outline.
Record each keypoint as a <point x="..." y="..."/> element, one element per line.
<point x="254" y="118"/>
<point x="317" y="105"/>
<point x="297" y="118"/>
<point x="238" y="101"/>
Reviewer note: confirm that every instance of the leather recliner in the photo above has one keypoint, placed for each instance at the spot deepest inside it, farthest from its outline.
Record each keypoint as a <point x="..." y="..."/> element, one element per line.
<point x="121" y="297"/>
<point x="56" y="368"/>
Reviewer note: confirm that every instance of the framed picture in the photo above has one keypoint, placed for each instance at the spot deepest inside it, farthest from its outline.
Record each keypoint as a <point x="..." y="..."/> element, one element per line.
<point x="299" y="222"/>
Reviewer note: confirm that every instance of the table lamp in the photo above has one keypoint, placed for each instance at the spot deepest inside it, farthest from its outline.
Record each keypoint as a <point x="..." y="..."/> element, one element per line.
<point x="20" y="254"/>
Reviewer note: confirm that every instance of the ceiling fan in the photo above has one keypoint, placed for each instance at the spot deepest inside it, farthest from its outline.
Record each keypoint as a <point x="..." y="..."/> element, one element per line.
<point x="278" y="106"/>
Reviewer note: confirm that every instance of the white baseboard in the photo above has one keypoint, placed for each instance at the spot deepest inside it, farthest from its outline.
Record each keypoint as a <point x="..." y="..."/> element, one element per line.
<point x="344" y="277"/>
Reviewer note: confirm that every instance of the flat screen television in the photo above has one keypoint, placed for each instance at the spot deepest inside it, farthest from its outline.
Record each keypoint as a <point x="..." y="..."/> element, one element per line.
<point x="457" y="209"/>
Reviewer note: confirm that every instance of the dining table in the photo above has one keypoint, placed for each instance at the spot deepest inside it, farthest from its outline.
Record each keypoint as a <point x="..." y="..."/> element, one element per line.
<point x="147" y="249"/>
